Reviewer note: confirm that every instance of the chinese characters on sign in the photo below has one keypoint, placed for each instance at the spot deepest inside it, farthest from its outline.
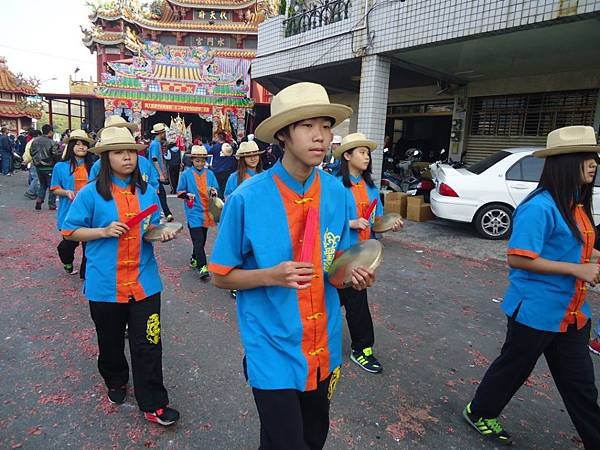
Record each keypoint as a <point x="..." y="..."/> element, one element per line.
<point x="213" y="15"/>
<point x="210" y="41"/>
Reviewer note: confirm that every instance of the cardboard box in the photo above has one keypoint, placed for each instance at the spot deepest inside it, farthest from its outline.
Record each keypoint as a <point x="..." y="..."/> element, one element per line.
<point x="395" y="202"/>
<point x="420" y="213"/>
<point x="415" y="200"/>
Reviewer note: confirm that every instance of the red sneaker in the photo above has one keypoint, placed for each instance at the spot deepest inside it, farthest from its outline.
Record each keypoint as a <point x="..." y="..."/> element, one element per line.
<point x="594" y="346"/>
<point x="164" y="416"/>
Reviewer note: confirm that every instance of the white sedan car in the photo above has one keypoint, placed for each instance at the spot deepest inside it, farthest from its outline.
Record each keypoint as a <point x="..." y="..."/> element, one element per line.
<point x="487" y="193"/>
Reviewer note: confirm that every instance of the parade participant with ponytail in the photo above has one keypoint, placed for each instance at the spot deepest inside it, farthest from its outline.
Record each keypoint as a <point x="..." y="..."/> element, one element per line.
<point x="249" y="164"/>
<point x="552" y="259"/>
<point x="355" y="169"/>
<point x="122" y="282"/>
<point x="68" y="178"/>
<point x="196" y="185"/>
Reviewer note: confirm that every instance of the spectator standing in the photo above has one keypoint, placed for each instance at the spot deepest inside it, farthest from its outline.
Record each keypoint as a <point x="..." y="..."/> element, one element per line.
<point x="155" y="155"/>
<point x="223" y="161"/>
<point x="6" y="150"/>
<point x="45" y="152"/>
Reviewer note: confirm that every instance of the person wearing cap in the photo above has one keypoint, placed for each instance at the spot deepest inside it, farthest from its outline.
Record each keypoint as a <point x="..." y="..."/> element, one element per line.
<point x="223" y="161"/>
<point x="155" y="155"/>
<point x="356" y="165"/>
<point x="552" y="259"/>
<point x="249" y="164"/>
<point x="122" y="281"/>
<point x="289" y="312"/>
<point x="149" y="174"/>
<point x="197" y="185"/>
<point x="68" y="178"/>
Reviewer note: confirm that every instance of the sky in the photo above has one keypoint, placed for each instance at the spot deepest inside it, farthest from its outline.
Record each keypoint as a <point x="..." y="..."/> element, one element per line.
<point x="42" y="39"/>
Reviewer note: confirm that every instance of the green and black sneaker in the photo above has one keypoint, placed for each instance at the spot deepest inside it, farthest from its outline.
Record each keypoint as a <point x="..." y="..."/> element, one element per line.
<point x="489" y="428"/>
<point x="203" y="271"/>
<point x="366" y="360"/>
<point x="193" y="263"/>
<point x="70" y="269"/>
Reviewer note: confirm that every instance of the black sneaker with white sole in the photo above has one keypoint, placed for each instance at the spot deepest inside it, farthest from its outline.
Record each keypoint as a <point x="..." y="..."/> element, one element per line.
<point x="117" y="395"/>
<point x="489" y="428"/>
<point x="164" y="416"/>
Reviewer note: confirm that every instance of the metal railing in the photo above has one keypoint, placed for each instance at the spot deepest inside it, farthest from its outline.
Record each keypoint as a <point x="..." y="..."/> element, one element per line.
<point x="318" y="16"/>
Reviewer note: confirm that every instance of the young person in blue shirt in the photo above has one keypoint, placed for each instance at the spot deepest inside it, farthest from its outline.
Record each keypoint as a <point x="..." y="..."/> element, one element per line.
<point x="155" y="155"/>
<point x="197" y="185"/>
<point x="355" y="167"/>
<point x="289" y="312"/>
<point x="122" y="282"/>
<point x="552" y="258"/>
<point x="68" y="178"/>
<point x="249" y="164"/>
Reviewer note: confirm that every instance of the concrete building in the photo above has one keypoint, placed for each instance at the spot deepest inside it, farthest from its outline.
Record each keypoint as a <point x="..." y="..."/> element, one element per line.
<point x="470" y="76"/>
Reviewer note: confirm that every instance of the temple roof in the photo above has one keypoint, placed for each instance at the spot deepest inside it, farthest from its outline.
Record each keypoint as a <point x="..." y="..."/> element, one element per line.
<point x="10" y="83"/>
<point x="15" y="110"/>
<point x="224" y="4"/>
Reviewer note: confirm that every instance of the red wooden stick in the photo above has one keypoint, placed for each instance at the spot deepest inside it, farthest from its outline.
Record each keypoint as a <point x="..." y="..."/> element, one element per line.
<point x="310" y="234"/>
<point x="370" y="210"/>
<point x="142" y="215"/>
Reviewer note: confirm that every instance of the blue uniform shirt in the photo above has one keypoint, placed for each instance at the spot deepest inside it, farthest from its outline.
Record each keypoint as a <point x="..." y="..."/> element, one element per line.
<point x="360" y="195"/>
<point x="149" y="174"/>
<point x="548" y="302"/>
<point x="288" y="334"/>
<point x="117" y="268"/>
<point x="62" y="178"/>
<point x="155" y="152"/>
<point x="198" y="182"/>
<point x="232" y="181"/>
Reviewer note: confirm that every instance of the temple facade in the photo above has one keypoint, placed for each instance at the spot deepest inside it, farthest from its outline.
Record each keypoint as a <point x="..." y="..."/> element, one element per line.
<point x="156" y="60"/>
<point x="16" y="112"/>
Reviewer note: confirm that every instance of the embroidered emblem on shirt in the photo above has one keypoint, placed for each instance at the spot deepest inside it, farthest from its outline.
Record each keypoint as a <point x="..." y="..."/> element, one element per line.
<point x="330" y="243"/>
<point x="146" y="224"/>
<point x="153" y="329"/>
<point x="333" y="381"/>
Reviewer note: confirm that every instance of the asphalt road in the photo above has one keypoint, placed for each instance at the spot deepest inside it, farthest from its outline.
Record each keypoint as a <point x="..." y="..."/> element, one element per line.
<point x="437" y="323"/>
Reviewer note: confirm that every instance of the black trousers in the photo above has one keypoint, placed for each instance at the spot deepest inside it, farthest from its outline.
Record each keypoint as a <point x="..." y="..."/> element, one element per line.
<point x="295" y="420"/>
<point x="198" y="235"/>
<point x="66" y="253"/>
<point x="162" y="196"/>
<point x="174" y="178"/>
<point x="222" y="180"/>
<point x="145" y="345"/>
<point x="570" y="365"/>
<point x="358" y="316"/>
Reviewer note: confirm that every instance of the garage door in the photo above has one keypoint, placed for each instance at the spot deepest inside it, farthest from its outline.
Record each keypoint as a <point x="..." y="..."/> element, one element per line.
<point x="524" y="120"/>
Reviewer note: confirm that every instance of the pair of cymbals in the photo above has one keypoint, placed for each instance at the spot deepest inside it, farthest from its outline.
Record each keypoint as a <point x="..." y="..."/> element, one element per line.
<point x="385" y="223"/>
<point x="216" y="208"/>
<point x="154" y="234"/>
<point x="367" y="254"/>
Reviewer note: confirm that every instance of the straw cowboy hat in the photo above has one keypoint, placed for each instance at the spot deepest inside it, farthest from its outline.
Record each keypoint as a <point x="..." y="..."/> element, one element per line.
<point x="337" y="139"/>
<point x="226" y="150"/>
<point x="116" y="138"/>
<point x="80" y="135"/>
<point x="575" y="139"/>
<point x="297" y="102"/>
<point x="198" y="151"/>
<point x="117" y="121"/>
<point x="248" y="149"/>
<point x="158" y="128"/>
<point x="351" y="141"/>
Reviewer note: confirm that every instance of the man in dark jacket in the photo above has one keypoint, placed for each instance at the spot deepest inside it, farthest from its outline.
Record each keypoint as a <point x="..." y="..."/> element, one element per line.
<point x="45" y="152"/>
<point x="6" y="150"/>
<point x="223" y="161"/>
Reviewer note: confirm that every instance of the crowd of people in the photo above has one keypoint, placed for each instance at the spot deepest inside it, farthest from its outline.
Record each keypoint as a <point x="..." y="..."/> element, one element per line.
<point x="289" y="310"/>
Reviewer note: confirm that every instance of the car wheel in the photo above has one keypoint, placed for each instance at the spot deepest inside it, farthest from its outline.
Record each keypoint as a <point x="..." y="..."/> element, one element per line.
<point x="494" y="221"/>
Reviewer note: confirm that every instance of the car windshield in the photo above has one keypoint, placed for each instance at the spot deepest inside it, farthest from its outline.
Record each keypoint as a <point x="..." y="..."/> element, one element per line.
<point x="483" y="165"/>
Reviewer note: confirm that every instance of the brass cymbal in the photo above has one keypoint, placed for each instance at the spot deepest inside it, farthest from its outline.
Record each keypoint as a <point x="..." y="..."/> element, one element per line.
<point x="385" y="223"/>
<point x="154" y="233"/>
<point x="367" y="254"/>
<point x="216" y="207"/>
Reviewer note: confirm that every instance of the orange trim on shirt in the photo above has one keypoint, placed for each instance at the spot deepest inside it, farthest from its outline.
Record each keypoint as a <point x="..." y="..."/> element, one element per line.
<point x="311" y="301"/>
<point x="202" y="187"/>
<point x="80" y="175"/>
<point x="361" y="198"/>
<point x="219" y="269"/>
<point x="520" y="252"/>
<point x="129" y="246"/>
<point x="53" y="188"/>
<point x="574" y="315"/>
<point x="64" y="232"/>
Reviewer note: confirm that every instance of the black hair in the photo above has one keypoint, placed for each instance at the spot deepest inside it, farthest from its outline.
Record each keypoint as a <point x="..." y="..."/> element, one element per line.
<point x="47" y="129"/>
<point x="561" y="177"/>
<point x="104" y="180"/>
<point x="88" y="159"/>
<point x="344" y="170"/>
<point x="242" y="166"/>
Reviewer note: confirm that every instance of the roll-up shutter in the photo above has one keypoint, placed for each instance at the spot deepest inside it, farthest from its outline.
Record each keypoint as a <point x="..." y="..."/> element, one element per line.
<point x="523" y="120"/>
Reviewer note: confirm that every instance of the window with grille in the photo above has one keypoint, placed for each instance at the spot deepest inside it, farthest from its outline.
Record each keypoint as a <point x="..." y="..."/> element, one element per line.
<point x="531" y="114"/>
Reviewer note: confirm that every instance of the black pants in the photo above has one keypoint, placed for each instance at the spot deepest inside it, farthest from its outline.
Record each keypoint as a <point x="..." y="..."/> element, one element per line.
<point x="174" y="178"/>
<point x="45" y="178"/>
<point x="198" y="235"/>
<point x="222" y="180"/>
<point x="66" y="253"/>
<point x="358" y="316"/>
<point x="295" y="420"/>
<point x="570" y="365"/>
<point x="143" y="318"/>
<point x="162" y="196"/>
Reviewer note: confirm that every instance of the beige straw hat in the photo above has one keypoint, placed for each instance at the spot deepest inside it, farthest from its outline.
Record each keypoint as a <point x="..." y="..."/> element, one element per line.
<point x="351" y="141"/>
<point x="80" y="135"/>
<point x="297" y="102"/>
<point x="158" y="128"/>
<point x="248" y="149"/>
<point x="117" y="121"/>
<point x="116" y="138"/>
<point x="198" y="151"/>
<point x="574" y="139"/>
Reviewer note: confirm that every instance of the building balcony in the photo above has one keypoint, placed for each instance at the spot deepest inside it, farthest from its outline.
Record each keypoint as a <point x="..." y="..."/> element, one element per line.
<point x="317" y="16"/>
